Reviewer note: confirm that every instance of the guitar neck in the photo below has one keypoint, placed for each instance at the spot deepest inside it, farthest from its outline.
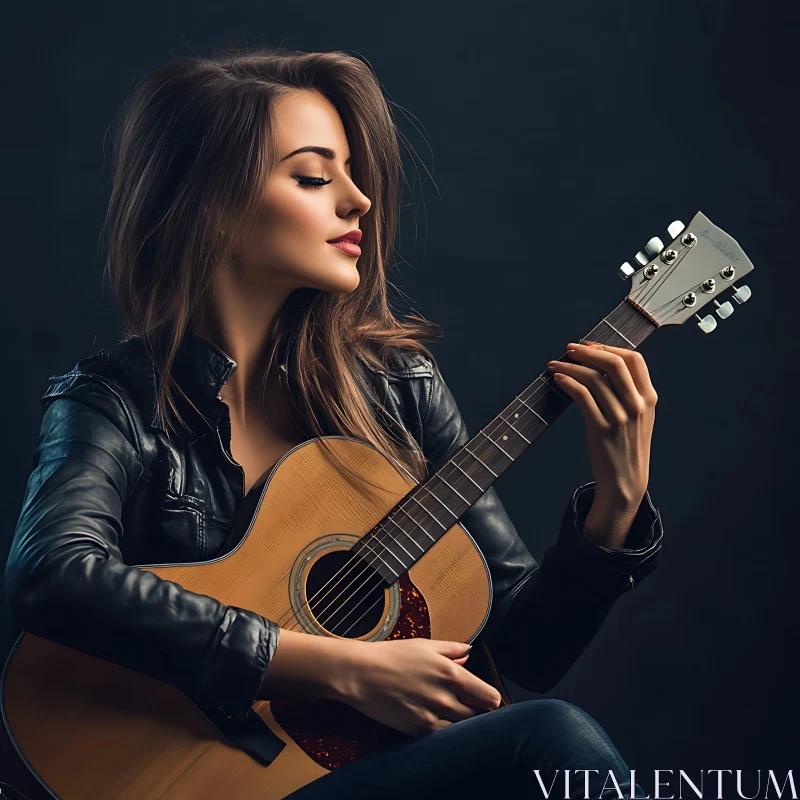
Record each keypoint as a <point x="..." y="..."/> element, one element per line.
<point x="425" y="514"/>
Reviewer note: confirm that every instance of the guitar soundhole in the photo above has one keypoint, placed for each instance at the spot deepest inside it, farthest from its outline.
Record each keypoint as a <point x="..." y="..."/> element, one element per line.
<point x="345" y="595"/>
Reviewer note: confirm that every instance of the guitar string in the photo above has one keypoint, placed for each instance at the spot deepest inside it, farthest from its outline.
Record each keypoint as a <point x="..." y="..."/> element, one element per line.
<point x="664" y="305"/>
<point x="368" y="578"/>
<point x="501" y="419"/>
<point x="370" y="569"/>
<point x="344" y="571"/>
<point x="650" y="291"/>
<point x="544" y="387"/>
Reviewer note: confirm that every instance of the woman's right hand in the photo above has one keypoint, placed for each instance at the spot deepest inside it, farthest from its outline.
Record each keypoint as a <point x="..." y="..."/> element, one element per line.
<point x="414" y="685"/>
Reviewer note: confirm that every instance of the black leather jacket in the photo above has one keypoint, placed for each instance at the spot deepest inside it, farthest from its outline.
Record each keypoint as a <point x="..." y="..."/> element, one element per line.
<point x="108" y="491"/>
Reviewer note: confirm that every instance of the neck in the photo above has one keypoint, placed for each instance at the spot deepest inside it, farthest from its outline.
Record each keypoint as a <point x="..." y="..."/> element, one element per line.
<point x="238" y="321"/>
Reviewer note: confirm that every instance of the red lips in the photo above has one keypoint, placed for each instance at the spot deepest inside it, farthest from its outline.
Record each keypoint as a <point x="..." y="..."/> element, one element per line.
<point x="353" y="236"/>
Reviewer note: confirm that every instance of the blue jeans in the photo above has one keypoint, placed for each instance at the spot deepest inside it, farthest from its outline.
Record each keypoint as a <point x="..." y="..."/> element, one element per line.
<point x="494" y="752"/>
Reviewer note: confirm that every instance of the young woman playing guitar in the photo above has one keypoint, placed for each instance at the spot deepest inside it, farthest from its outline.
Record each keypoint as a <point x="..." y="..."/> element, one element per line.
<point x="251" y="224"/>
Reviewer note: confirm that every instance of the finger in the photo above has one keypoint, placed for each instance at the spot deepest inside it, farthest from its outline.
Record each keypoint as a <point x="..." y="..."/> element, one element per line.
<point x="594" y="395"/>
<point x="449" y="648"/>
<point x="637" y="367"/>
<point x="584" y="398"/>
<point x="455" y="711"/>
<point x="474" y="692"/>
<point x="615" y="366"/>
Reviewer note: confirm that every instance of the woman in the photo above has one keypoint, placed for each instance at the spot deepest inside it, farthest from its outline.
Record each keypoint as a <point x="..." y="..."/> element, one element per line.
<point x="249" y="333"/>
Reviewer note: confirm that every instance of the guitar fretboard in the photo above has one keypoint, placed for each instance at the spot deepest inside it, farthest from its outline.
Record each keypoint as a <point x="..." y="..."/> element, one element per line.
<point x="427" y="512"/>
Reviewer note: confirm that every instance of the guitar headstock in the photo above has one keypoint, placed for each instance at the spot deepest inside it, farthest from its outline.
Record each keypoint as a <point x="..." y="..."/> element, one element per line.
<point x="672" y="283"/>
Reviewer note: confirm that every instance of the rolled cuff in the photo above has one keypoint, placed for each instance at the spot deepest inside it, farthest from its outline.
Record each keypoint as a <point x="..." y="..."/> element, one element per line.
<point x="240" y="657"/>
<point x="604" y="570"/>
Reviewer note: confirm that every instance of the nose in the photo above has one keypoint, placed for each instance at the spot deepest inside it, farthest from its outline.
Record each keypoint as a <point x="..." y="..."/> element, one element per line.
<point x="355" y="201"/>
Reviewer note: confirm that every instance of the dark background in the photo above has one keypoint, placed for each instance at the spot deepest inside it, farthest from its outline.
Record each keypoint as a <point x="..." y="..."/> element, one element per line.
<point x="560" y="138"/>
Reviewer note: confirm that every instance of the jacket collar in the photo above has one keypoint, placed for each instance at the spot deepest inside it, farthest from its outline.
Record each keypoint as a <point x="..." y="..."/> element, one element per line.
<point x="201" y="369"/>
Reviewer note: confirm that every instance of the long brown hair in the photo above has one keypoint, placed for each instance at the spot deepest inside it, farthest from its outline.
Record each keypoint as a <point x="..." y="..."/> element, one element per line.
<point x="197" y="133"/>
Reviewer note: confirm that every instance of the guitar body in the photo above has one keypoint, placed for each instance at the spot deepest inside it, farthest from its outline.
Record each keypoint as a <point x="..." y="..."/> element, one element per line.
<point x="89" y="728"/>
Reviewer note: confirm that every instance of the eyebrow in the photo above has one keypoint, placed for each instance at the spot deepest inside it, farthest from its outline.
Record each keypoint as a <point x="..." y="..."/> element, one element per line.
<point x="325" y="152"/>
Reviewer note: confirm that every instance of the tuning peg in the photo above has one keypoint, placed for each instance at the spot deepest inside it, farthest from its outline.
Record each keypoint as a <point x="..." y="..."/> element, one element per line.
<point x="706" y="324"/>
<point x="675" y="228"/>
<point x="724" y="310"/>
<point x="742" y="295"/>
<point x="625" y="271"/>
<point x="642" y="258"/>
<point x="653" y="247"/>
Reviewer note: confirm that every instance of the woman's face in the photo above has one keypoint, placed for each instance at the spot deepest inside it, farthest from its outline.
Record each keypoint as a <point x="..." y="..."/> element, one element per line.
<point x="289" y="245"/>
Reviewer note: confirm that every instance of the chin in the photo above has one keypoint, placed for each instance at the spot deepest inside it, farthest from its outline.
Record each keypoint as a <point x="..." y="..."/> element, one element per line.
<point x="343" y="281"/>
<point x="350" y="286"/>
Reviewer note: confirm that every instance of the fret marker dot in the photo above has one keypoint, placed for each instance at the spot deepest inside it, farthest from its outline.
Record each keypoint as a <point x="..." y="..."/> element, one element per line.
<point x="516" y="415"/>
<point x="505" y="437"/>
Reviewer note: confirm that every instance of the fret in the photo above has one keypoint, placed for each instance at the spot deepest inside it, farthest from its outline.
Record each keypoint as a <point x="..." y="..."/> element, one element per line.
<point x="455" y="502"/>
<point x="496" y="445"/>
<point x="397" y="542"/>
<point x="533" y="411"/>
<point x="377" y="556"/>
<point x="400" y="508"/>
<point x="408" y="536"/>
<point x="454" y="490"/>
<point x="479" y="461"/>
<point x="457" y="484"/>
<point x="428" y="511"/>
<point x="405" y="532"/>
<point x="547" y="379"/>
<point x="468" y="476"/>
<point x="527" y="441"/>
<point x="442" y="503"/>
<point x="390" y="551"/>
<point x="393" y="537"/>
<point x="633" y="346"/>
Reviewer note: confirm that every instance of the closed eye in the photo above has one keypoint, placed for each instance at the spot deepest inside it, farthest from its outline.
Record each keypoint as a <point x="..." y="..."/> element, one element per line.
<point x="309" y="182"/>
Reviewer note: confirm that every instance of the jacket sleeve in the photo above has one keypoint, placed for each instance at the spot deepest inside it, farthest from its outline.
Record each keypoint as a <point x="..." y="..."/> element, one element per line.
<point x="543" y="616"/>
<point x="65" y="579"/>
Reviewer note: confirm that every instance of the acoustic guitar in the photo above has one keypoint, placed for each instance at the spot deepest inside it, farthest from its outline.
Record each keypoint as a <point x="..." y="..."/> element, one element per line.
<point x="383" y="558"/>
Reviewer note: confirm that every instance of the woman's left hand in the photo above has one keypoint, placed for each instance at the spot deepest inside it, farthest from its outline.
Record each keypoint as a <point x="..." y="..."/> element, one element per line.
<point x="619" y="408"/>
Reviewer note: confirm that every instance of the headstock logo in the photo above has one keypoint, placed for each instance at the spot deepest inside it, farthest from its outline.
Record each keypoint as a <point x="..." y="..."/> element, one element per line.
<point x="720" y="245"/>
